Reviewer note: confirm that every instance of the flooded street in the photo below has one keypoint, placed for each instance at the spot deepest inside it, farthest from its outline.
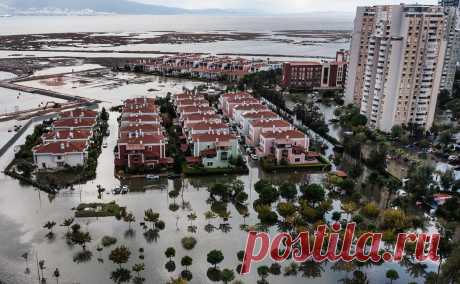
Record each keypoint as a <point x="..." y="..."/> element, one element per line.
<point x="24" y="210"/>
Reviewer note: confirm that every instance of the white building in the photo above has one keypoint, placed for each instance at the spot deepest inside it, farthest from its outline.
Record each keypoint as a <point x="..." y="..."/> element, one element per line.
<point x="56" y="155"/>
<point x="397" y="55"/>
<point x="452" y="49"/>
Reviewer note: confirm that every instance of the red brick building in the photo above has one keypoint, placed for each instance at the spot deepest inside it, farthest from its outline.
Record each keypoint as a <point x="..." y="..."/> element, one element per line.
<point x="302" y="75"/>
<point x="316" y="75"/>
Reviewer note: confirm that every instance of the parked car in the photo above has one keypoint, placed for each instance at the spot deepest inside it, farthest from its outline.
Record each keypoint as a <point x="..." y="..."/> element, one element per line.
<point x="254" y="157"/>
<point x="152" y="177"/>
<point x="452" y="158"/>
<point x="124" y="189"/>
<point x="105" y="145"/>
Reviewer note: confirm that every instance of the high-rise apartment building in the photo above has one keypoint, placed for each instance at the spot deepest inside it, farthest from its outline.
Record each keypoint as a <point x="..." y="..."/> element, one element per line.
<point x="396" y="64"/>
<point x="452" y="11"/>
<point x="452" y="50"/>
<point x="449" y="3"/>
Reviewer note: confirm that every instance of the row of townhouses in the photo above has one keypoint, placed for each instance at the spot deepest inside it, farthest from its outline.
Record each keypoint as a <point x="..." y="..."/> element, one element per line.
<point x="67" y="143"/>
<point x="141" y="139"/>
<point x="270" y="135"/>
<point x="203" y="67"/>
<point x="211" y="143"/>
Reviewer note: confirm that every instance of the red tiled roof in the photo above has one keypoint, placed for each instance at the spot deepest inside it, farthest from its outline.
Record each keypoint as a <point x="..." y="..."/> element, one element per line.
<point x="258" y="107"/>
<point x="75" y="122"/>
<point x="207" y="125"/>
<point x="137" y="101"/>
<point x="199" y="116"/>
<point x="212" y="137"/>
<point x="140" y="127"/>
<point x="79" y="112"/>
<point x="141" y="118"/>
<point x="195" y="109"/>
<point x="60" y="147"/>
<point x="142" y="140"/>
<point x="193" y="160"/>
<point x="288" y="134"/>
<point x="146" y="108"/>
<point x="239" y="94"/>
<point x="187" y="96"/>
<point x="242" y="100"/>
<point x="260" y="114"/>
<point x="269" y="123"/>
<point x="67" y="134"/>
<point x="209" y="153"/>
<point x="340" y="173"/>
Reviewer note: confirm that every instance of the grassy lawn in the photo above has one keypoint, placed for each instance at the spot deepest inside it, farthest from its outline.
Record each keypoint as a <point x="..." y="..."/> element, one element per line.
<point x="201" y="171"/>
<point x="322" y="165"/>
<point x="111" y="209"/>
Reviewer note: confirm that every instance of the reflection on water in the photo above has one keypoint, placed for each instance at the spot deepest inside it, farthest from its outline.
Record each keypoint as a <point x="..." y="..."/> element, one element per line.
<point x="24" y="211"/>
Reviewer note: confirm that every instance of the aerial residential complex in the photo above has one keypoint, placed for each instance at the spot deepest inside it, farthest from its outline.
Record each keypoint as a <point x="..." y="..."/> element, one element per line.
<point x="272" y="137"/>
<point x="396" y="64"/>
<point x="204" y="133"/>
<point x="68" y="141"/>
<point x="202" y="67"/>
<point x="141" y="142"/>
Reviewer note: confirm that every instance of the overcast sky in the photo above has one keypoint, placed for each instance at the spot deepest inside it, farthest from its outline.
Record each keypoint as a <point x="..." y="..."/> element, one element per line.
<point x="279" y="6"/>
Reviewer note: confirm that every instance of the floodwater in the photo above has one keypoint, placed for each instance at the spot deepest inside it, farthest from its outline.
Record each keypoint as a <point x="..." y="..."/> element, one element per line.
<point x="155" y="25"/>
<point x="180" y="23"/>
<point x="66" y="69"/>
<point x="6" y="75"/>
<point x="24" y="211"/>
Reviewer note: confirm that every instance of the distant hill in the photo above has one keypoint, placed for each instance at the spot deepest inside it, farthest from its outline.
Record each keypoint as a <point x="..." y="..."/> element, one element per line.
<point x="99" y="6"/>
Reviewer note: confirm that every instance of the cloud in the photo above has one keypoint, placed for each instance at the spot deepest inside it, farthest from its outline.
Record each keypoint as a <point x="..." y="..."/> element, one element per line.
<point x="277" y="6"/>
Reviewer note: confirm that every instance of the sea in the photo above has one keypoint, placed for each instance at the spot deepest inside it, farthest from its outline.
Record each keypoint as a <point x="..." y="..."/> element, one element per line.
<point x="147" y="24"/>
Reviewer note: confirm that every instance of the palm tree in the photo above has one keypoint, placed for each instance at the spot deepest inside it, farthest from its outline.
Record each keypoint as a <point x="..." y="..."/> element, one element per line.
<point x="225" y="215"/>
<point x="177" y="281"/>
<point x="100" y="190"/>
<point x="151" y="217"/>
<point x="67" y="223"/>
<point x="56" y="274"/>
<point x="209" y="215"/>
<point x="129" y="218"/>
<point x="81" y="238"/>
<point x="215" y="257"/>
<point x="311" y="269"/>
<point x="170" y="253"/>
<point x="263" y="272"/>
<point x="138" y="268"/>
<point x="192" y="217"/>
<point x="359" y="277"/>
<point x="41" y="267"/>
<point x="49" y="225"/>
<point x="26" y="258"/>
<point x="227" y="275"/>
<point x="349" y="208"/>
<point x="417" y="269"/>
<point x="120" y="255"/>
<point x="392" y="275"/>
<point x="186" y="261"/>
